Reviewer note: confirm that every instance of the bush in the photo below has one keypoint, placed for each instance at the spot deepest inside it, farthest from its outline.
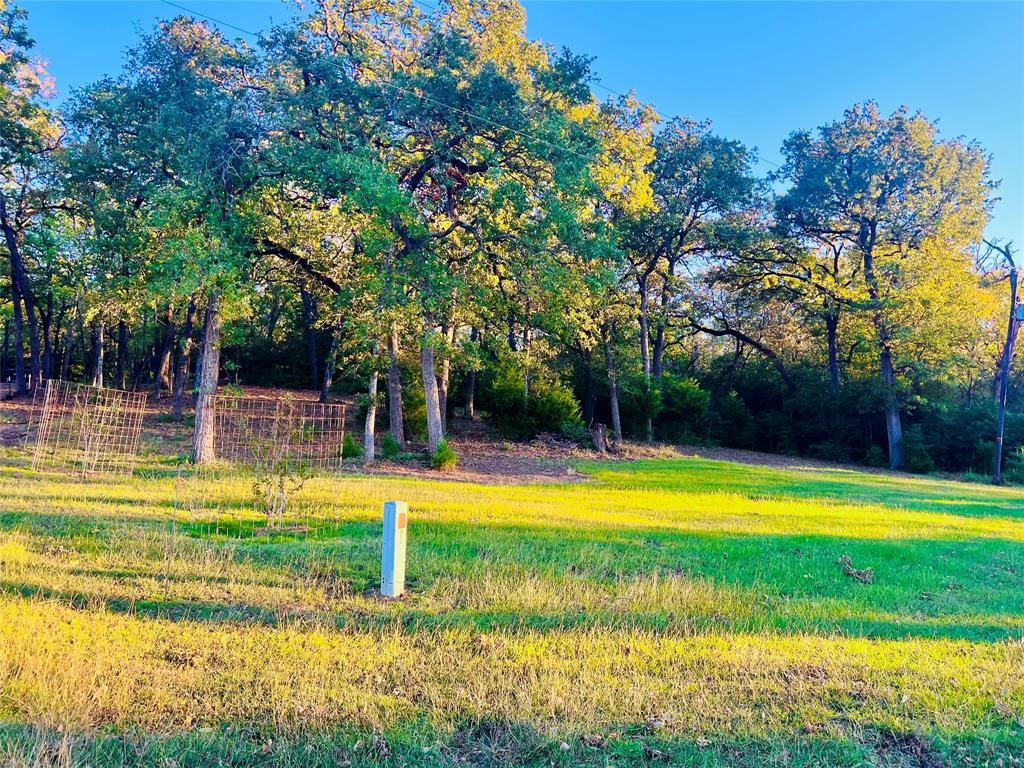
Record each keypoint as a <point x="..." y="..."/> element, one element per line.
<point x="550" y="406"/>
<point x="414" y="410"/>
<point x="390" y="448"/>
<point x="875" y="457"/>
<point x="1013" y="466"/>
<point x="576" y="431"/>
<point x="829" y="450"/>
<point x="915" y="451"/>
<point x="683" y="412"/>
<point x="638" y="401"/>
<point x="350" y="449"/>
<point x="444" y="458"/>
<point x="734" y="425"/>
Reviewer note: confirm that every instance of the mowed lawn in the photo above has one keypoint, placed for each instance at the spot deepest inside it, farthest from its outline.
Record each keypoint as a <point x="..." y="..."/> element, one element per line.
<point x="664" y="612"/>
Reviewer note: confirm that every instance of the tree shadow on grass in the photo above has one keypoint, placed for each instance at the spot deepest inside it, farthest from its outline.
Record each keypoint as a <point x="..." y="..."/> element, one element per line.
<point x="413" y="620"/>
<point x="920" y="587"/>
<point x="501" y="743"/>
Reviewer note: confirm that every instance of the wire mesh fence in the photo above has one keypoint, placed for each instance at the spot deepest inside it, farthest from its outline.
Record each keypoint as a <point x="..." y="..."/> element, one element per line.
<point x="87" y="429"/>
<point x="267" y="432"/>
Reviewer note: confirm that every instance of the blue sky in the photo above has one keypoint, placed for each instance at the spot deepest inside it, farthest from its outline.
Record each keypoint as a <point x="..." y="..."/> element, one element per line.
<point x="757" y="70"/>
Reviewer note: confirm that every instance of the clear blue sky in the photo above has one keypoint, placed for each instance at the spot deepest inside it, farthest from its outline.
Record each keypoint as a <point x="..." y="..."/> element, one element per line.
<point x="757" y="70"/>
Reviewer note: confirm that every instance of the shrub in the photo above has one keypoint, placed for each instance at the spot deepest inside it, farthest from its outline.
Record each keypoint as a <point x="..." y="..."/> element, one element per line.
<point x="414" y="410"/>
<point x="875" y="457"/>
<point x="637" y="401"/>
<point x="915" y="451"/>
<point x="734" y="425"/>
<point x="683" y="412"/>
<point x="550" y="406"/>
<point x="1013" y="466"/>
<point x="576" y="431"/>
<point x="350" y="449"/>
<point x="390" y="448"/>
<point x="829" y="450"/>
<point x="444" y="458"/>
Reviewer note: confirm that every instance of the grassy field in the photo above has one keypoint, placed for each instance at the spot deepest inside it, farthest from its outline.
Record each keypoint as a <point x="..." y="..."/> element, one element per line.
<point x="667" y="612"/>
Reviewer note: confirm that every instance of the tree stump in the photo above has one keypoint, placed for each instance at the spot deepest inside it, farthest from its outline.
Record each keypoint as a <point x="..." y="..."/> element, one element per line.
<point x="599" y="436"/>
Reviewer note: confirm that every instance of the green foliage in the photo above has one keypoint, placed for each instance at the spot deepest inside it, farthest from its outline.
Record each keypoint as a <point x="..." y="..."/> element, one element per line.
<point x="732" y="423"/>
<point x="350" y="449"/>
<point x="576" y="431"/>
<point x="414" y="405"/>
<point x="876" y="457"/>
<point x="444" y="458"/>
<point x="390" y="448"/>
<point x="915" y="448"/>
<point x="683" y="411"/>
<point x="638" y="402"/>
<point x="549" y="406"/>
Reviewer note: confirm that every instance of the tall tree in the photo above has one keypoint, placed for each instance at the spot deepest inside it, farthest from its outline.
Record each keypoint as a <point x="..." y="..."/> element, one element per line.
<point x="884" y="185"/>
<point x="29" y="134"/>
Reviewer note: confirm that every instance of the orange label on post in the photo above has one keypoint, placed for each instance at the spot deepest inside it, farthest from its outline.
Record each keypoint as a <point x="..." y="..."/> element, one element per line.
<point x="400" y="521"/>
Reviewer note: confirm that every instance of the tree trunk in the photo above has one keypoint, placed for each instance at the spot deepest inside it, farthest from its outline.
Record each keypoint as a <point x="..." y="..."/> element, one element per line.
<point x="831" y="330"/>
<point x="329" y="364"/>
<point x="589" y="398"/>
<point x="474" y="337"/>
<point x="69" y="345"/>
<point x="370" y="431"/>
<point x="275" y="315"/>
<point x="309" y="318"/>
<point x="97" y="353"/>
<point x="182" y="351"/>
<point x="645" y="355"/>
<point x="470" y="393"/>
<point x="893" y="425"/>
<point x="428" y="371"/>
<point x="448" y="331"/>
<point x="20" y="375"/>
<point x="34" y="344"/>
<point x="162" y="364"/>
<point x="1004" y="376"/>
<point x="396" y="413"/>
<point x="19" y="296"/>
<point x="47" y="319"/>
<point x="658" y="352"/>
<point x="5" y="349"/>
<point x="204" y="440"/>
<point x="613" y="390"/>
<point x="122" y="356"/>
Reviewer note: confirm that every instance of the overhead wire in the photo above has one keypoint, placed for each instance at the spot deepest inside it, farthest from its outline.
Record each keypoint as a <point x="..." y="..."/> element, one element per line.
<point x="472" y="115"/>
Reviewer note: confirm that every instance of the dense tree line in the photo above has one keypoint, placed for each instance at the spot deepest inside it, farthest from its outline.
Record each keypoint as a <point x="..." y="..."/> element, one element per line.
<point x="435" y="211"/>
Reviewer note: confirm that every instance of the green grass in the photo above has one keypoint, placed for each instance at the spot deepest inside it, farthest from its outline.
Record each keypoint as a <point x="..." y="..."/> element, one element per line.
<point x="669" y="612"/>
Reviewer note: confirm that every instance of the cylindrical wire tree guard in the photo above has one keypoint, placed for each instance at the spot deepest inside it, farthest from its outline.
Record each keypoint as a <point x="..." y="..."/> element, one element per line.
<point x="265" y="431"/>
<point x="88" y="429"/>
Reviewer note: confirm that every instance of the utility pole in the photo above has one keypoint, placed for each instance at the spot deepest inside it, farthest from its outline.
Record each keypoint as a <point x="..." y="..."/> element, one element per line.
<point x="1004" y="367"/>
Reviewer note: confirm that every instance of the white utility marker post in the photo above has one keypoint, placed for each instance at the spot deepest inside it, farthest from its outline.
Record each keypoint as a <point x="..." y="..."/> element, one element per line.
<point x="392" y="554"/>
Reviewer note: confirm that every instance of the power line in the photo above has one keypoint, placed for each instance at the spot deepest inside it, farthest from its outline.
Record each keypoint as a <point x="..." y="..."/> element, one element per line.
<point x="210" y="18"/>
<point x="459" y="110"/>
<point x="659" y="115"/>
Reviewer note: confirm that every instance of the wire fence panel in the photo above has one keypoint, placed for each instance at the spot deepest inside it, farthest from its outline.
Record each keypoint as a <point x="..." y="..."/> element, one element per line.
<point x="266" y="432"/>
<point x="88" y="429"/>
